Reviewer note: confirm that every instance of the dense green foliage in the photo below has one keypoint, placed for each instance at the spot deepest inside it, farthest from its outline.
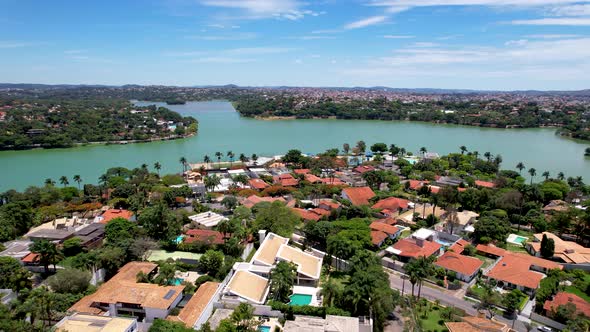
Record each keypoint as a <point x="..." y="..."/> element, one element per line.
<point x="56" y="123"/>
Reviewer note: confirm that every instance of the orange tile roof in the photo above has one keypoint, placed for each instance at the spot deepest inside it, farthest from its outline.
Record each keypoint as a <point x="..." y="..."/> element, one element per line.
<point x="359" y="195"/>
<point x="391" y="203"/>
<point x="485" y="184"/>
<point x="301" y="171"/>
<point x="321" y="212"/>
<point x="306" y="214"/>
<point x="289" y="182"/>
<point x="111" y="214"/>
<point x="333" y="181"/>
<point x="194" y="308"/>
<point x="383" y="227"/>
<point x="416" y="184"/>
<point x="312" y="178"/>
<point x="459" y="246"/>
<point x="563" y="298"/>
<point x="363" y="169"/>
<point x="124" y="288"/>
<point x="568" y="251"/>
<point x="30" y="258"/>
<point x="253" y="200"/>
<point x="203" y="236"/>
<point x="515" y="268"/>
<point x="258" y="184"/>
<point x="490" y="249"/>
<point x="410" y="248"/>
<point x="330" y="204"/>
<point x="378" y="237"/>
<point x="459" y="263"/>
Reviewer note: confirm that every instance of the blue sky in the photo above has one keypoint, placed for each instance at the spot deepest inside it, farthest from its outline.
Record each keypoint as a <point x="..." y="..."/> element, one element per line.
<point x="472" y="44"/>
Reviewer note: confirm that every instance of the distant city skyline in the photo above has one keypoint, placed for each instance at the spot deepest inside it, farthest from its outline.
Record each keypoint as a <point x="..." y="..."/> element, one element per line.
<point x="442" y="44"/>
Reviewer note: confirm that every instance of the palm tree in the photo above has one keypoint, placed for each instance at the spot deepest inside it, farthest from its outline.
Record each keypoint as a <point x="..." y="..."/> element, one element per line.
<point x="183" y="163"/>
<point x="463" y="149"/>
<point x="243" y="158"/>
<point x="78" y="180"/>
<point x="49" y="182"/>
<point x="498" y="160"/>
<point x="423" y="151"/>
<point x="520" y="166"/>
<point x="64" y="180"/>
<point x="488" y="156"/>
<point x="47" y="251"/>
<point x="330" y="291"/>
<point x="231" y="156"/>
<point x="346" y="148"/>
<point x="476" y="154"/>
<point x="532" y="172"/>
<point x="218" y="155"/>
<point x="546" y="175"/>
<point x="206" y="160"/>
<point x="157" y="167"/>
<point x="144" y="167"/>
<point x="254" y="158"/>
<point x="402" y="151"/>
<point x="560" y="176"/>
<point x="211" y="182"/>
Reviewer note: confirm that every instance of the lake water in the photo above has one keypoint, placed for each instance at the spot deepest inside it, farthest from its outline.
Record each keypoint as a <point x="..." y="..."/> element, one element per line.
<point x="222" y="129"/>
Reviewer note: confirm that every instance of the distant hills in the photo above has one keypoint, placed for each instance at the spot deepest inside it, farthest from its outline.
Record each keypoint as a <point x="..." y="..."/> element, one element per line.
<point x="34" y="86"/>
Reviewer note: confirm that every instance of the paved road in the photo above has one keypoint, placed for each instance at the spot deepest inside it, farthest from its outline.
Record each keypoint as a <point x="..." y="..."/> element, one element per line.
<point x="445" y="298"/>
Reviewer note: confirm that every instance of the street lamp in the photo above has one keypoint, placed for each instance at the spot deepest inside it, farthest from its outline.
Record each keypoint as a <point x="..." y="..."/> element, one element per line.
<point x="404" y="278"/>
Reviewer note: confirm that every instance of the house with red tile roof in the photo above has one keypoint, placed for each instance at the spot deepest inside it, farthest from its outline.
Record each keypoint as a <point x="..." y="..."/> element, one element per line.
<point x="205" y="236"/>
<point x="286" y="180"/>
<point x="459" y="246"/>
<point x="485" y="184"/>
<point x="363" y="169"/>
<point x="392" y="204"/>
<point x="465" y="267"/>
<point x="517" y="270"/>
<point x="358" y="195"/>
<point x="307" y="214"/>
<point x="312" y="178"/>
<point x="253" y="200"/>
<point x="333" y="181"/>
<point x="301" y="171"/>
<point x="381" y="231"/>
<point x="111" y="214"/>
<point x="417" y="184"/>
<point x="562" y="299"/>
<point x="329" y="205"/>
<point x="258" y="184"/>
<point x="409" y="248"/>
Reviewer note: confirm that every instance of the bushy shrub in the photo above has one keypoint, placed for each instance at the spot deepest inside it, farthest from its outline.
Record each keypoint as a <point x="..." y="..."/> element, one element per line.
<point x="308" y="310"/>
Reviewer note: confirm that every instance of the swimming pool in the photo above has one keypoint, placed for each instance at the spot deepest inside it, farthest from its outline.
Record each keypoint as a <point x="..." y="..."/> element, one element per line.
<point x="443" y="243"/>
<point x="178" y="239"/>
<point x="177" y="281"/>
<point x="300" y="299"/>
<point x="516" y="239"/>
<point x="264" y="328"/>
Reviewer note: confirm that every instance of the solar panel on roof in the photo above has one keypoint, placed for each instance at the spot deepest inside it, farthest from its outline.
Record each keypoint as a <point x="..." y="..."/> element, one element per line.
<point x="169" y="294"/>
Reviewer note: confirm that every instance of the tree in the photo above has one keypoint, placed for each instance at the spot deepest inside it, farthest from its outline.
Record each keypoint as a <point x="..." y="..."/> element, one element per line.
<point x="231" y="156"/>
<point x="560" y="176"/>
<point x="49" y="182"/>
<point x="243" y="158"/>
<point x="230" y="202"/>
<point x="361" y="146"/>
<point x="423" y="151"/>
<point x="142" y="247"/>
<point x="218" y="155"/>
<point x="159" y="222"/>
<point x="72" y="247"/>
<point x="463" y="149"/>
<point x="488" y="298"/>
<point x="162" y="325"/>
<point x="490" y="228"/>
<point x="13" y="275"/>
<point x="293" y="157"/>
<point x="330" y="291"/>
<point x="254" y="158"/>
<point x="511" y="301"/>
<point x="211" y="182"/>
<point x="47" y="251"/>
<point x="78" y="180"/>
<point x="183" y="163"/>
<point x="547" y="247"/>
<point x="276" y="217"/>
<point x="206" y="160"/>
<point x="520" y="167"/>
<point x="546" y="175"/>
<point x="532" y="172"/>
<point x="488" y="156"/>
<point x="282" y="278"/>
<point x="346" y="148"/>
<point x="379" y="148"/>
<point x="211" y="261"/>
<point x="157" y="167"/>
<point x="64" y="180"/>
<point x="72" y="281"/>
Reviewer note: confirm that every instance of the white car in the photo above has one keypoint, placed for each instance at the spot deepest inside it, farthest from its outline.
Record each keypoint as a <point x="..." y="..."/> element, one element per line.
<point x="544" y="329"/>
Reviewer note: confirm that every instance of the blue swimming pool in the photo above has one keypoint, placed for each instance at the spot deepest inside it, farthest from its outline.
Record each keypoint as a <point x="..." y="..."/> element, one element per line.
<point x="177" y="281"/>
<point x="264" y="328"/>
<point x="178" y="239"/>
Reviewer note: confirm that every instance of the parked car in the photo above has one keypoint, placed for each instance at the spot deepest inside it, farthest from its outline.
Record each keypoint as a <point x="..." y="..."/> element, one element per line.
<point x="392" y="316"/>
<point x="545" y="329"/>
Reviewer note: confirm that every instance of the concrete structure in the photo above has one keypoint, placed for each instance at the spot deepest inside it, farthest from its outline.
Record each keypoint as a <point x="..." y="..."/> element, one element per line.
<point x="194" y="310"/>
<point x="207" y="220"/>
<point x="568" y="252"/>
<point x="477" y="324"/>
<point x="329" y="324"/>
<point x="246" y="286"/>
<point x="123" y="295"/>
<point x="92" y="323"/>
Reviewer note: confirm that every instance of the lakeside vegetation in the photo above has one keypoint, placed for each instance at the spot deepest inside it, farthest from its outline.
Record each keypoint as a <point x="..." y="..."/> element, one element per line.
<point x="59" y="123"/>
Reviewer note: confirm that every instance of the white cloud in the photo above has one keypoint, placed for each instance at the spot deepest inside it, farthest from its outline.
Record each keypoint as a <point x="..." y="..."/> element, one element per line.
<point x="257" y="9"/>
<point x="425" y="44"/>
<point x="552" y="36"/>
<point x="569" y="21"/>
<point x="573" y="10"/>
<point x="365" y="22"/>
<point x="519" y="42"/>
<point x="10" y="44"/>
<point x="397" y="37"/>
<point x="396" y="6"/>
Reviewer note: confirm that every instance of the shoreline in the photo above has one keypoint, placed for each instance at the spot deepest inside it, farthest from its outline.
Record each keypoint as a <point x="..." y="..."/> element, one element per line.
<point x="121" y="142"/>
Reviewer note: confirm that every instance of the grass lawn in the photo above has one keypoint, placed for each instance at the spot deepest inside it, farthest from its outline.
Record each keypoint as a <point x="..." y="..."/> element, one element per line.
<point x="476" y="291"/>
<point x="577" y="291"/>
<point x="339" y="278"/>
<point x="405" y="234"/>
<point x="162" y="255"/>
<point x="522" y="232"/>
<point x="523" y="302"/>
<point x="515" y="248"/>
<point x="430" y="323"/>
